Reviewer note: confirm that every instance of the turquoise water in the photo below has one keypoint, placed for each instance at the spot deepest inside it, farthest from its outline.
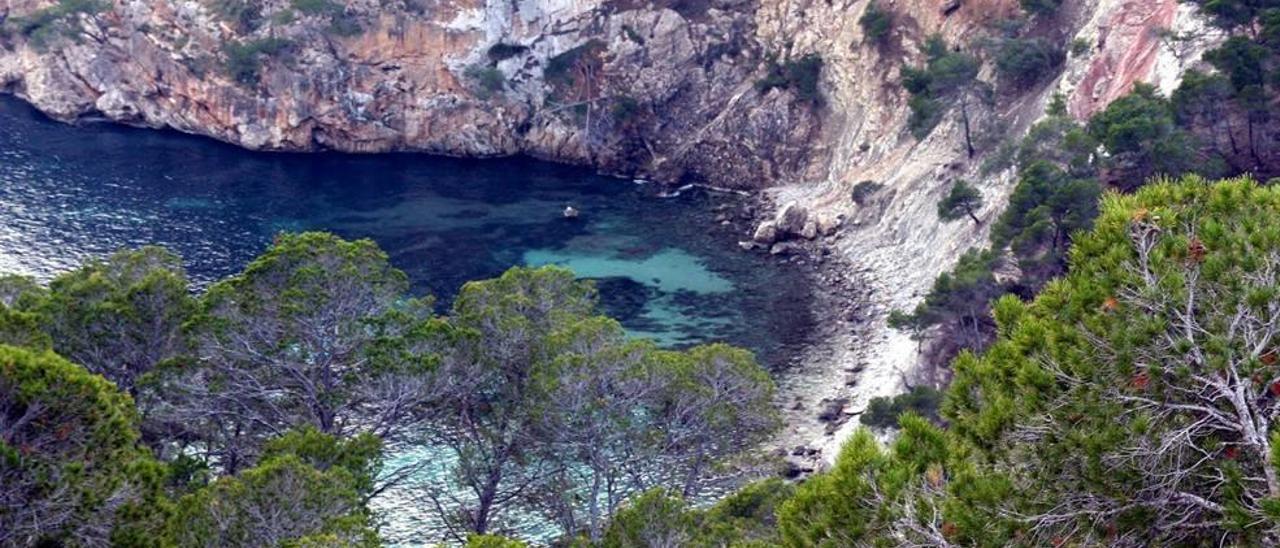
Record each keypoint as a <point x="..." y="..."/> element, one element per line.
<point x="663" y="267"/>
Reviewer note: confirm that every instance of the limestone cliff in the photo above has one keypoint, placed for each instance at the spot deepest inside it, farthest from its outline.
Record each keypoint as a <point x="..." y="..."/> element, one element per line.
<point x="659" y="90"/>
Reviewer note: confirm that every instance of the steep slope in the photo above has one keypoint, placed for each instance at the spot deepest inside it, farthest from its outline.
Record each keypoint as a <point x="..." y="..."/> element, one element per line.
<point x="894" y="237"/>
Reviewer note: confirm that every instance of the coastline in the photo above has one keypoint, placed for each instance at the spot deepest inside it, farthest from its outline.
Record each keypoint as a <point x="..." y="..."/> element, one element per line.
<point x="817" y="378"/>
<point x="824" y="388"/>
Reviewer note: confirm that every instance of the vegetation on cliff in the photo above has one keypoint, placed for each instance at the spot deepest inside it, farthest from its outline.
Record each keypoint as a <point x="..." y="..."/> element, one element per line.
<point x="1210" y="126"/>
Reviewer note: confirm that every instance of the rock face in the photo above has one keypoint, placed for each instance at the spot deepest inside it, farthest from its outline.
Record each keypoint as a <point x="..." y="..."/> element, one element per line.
<point x="663" y="90"/>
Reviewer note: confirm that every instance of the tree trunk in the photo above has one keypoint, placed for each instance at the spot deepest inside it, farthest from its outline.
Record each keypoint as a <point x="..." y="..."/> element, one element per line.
<point x="964" y="115"/>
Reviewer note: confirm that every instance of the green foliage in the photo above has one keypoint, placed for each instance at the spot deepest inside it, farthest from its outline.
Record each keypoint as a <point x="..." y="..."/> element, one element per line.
<point x="1232" y="14"/>
<point x="244" y="15"/>
<point x="945" y="75"/>
<point x="70" y="471"/>
<point x="926" y="113"/>
<point x="627" y="111"/>
<point x="864" y="190"/>
<point x="122" y="316"/>
<point x="541" y="401"/>
<point x="493" y="541"/>
<point x="359" y="455"/>
<point x="1140" y="133"/>
<point x="44" y="26"/>
<point x="20" y="321"/>
<point x="281" y="501"/>
<point x="1041" y="7"/>
<point x="798" y="75"/>
<point x="340" y="23"/>
<point x="1080" y="46"/>
<point x="1024" y="62"/>
<point x="1126" y="351"/>
<point x="284" y="17"/>
<point x="488" y="78"/>
<point x="300" y="338"/>
<point x="553" y="386"/>
<point x="652" y="519"/>
<point x="745" y="518"/>
<point x="244" y="59"/>
<point x="1201" y="94"/>
<point x="1046" y="208"/>
<point x="1056" y="195"/>
<point x="920" y="492"/>
<point x="883" y="412"/>
<point x="877" y="22"/>
<point x="559" y="69"/>
<point x="316" y="7"/>
<point x="963" y="200"/>
<point x="1242" y="61"/>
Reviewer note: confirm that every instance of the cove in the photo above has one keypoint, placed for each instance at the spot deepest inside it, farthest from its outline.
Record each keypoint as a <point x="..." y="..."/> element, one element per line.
<point x="663" y="268"/>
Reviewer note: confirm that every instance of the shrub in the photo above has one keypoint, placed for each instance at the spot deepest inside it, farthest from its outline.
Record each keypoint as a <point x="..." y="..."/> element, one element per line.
<point x="1079" y="47"/>
<point x="284" y="17"/>
<point x="884" y="412"/>
<point x="316" y="7"/>
<point x="244" y="59"/>
<point x="863" y="190"/>
<point x="245" y="15"/>
<point x="489" y="78"/>
<point x="43" y="26"/>
<point x="1041" y="7"/>
<point x="626" y="110"/>
<point x="560" y="67"/>
<point x="961" y="201"/>
<point x="876" y="22"/>
<point x="800" y="75"/>
<point x="925" y="115"/>
<point x="1021" y="62"/>
<point x="945" y="74"/>
<point x="342" y="25"/>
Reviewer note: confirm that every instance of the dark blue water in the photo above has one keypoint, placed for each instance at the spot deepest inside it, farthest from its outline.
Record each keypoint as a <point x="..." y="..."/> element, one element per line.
<point x="664" y="269"/>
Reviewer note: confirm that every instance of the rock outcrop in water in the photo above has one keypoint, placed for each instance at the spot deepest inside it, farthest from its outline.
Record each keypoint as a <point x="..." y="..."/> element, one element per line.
<point x="710" y="91"/>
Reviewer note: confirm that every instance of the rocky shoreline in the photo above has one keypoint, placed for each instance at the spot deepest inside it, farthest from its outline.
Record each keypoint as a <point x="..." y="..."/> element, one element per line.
<point x="818" y="384"/>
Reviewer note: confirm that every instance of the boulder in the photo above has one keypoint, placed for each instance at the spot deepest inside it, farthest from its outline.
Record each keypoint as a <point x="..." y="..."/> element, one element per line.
<point x="784" y="248"/>
<point x="791" y="218"/>
<point x="810" y="230"/>
<point x="766" y="233"/>
<point x="828" y="224"/>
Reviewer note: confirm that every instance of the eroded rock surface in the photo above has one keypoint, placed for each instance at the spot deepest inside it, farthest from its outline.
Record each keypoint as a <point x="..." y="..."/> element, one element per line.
<point x="663" y="90"/>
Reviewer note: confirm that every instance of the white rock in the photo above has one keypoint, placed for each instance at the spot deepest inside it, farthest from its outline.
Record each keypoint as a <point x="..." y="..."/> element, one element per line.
<point x="766" y="233"/>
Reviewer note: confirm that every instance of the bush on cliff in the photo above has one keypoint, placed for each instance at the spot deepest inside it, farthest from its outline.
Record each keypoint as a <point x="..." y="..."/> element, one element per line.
<point x="1023" y="62"/>
<point x="244" y="15"/>
<point x="42" y="27"/>
<point x="244" y="59"/>
<point x="877" y="23"/>
<point x="799" y="75"/>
